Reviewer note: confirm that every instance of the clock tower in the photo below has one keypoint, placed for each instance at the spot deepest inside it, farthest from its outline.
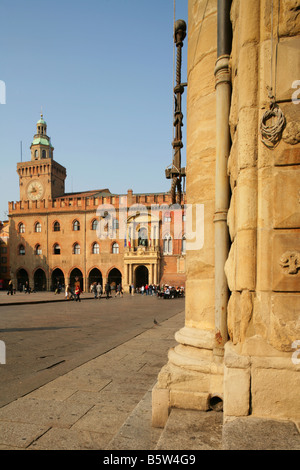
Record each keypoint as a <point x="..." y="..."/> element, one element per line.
<point x="41" y="177"/>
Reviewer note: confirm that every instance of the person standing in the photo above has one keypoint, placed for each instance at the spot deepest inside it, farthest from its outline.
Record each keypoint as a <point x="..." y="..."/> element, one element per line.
<point x="107" y="290"/>
<point x="27" y="287"/>
<point x="94" y="290"/>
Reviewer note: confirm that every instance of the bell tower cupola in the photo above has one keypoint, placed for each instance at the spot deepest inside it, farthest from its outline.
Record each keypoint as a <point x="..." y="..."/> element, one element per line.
<point x="41" y="145"/>
<point x="41" y="177"/>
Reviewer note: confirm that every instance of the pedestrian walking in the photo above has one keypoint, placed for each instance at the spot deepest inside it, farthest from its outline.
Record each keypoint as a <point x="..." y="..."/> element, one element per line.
<point x="99" y="290"/>
<point x="94" y="290"/>
<point x="77" y="291"/>
<point x="10" y="288"/>
<point x="58" y="288"/>
<point x="27" y="287"/>
<point x="67" y="292"/>
<point x="119" y="291"/>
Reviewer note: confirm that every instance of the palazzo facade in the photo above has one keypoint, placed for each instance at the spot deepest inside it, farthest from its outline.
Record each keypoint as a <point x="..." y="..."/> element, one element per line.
<point x="95" y="236"/>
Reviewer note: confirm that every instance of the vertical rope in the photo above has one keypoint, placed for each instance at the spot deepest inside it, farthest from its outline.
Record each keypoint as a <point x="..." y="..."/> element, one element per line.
<point x="273" y="70"/>
<point x="271" y="134"/>
<point x="173" y="100"/>
<point x="270" y="91"/>
<point x="276" y="51"/>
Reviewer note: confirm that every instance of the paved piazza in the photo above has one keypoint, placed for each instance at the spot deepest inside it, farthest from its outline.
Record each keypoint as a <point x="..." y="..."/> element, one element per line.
<point x="45" y="340"/>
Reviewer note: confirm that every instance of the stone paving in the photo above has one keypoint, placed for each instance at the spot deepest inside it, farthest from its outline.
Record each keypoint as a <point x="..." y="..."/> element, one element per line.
<point x="85" y="407"/>
<point x="105" y="404"/>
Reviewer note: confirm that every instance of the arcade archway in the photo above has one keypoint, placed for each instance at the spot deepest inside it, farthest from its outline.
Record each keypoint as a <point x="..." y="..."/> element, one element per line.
<point x="39" y="279"/>
<point x="95" y="276"/>
<point x="76" y="275"/>
<point x="57" y="279"/>
<point x="114" y="278"/>
<point x="22" y="278"/>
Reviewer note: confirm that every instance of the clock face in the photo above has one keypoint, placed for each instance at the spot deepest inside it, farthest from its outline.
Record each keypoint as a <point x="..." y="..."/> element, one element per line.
<point x="35" y="190"/>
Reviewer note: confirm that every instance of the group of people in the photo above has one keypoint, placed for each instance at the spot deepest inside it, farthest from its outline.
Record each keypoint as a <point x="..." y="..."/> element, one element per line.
<point x="171" y="292"/>
<point x="22" y="288"/>
<point x="97" y="290"/>
<point x="147" y="289"/>
<point x="165" y="291"/>
<point x="71" y="294"/>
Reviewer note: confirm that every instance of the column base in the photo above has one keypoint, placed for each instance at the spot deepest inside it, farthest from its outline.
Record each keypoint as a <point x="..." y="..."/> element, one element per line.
<point x="192" y="379"/>
<point x="255" y="381"/>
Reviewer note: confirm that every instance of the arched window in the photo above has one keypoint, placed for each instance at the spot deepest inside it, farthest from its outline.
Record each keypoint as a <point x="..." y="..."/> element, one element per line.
<point x="94" y="224"/>
<point x="36" y="154"/>
<point x="76" y="225"/>
<point x="38" y="227"/>
<point x="143" y="236"/>
<point x="21" y="227"/>
<point x="76" y="249"/>
<point x="21" y="250"/>
<point x="38" y="250"/>
<point x="168" y="245"/>
<point x="183" y="245"/>
<point x="56" y="226"/>
<point x="56" y="249"/>
<point x="115" y="248"/>
<point x="43" y="153"/>
<point x="96" y="249"/>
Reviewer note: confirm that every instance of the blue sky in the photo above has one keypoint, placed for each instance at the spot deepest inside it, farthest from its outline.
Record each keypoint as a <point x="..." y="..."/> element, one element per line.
<point x="102" y="71"/>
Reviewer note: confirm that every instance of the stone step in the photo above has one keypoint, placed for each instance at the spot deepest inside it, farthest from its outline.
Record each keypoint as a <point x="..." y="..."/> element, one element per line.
<point x="137" y="433"/>
<point x="184" y="430"/>
<point x="194" y="430"/>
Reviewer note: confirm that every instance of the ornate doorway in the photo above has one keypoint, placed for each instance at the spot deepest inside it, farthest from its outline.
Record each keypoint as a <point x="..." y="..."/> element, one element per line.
<point x="141" y="276"/>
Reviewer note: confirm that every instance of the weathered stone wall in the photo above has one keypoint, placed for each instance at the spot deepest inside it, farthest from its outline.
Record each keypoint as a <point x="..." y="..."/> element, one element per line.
<point x="263" y="270"/>
<point x="259" y="373"/>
